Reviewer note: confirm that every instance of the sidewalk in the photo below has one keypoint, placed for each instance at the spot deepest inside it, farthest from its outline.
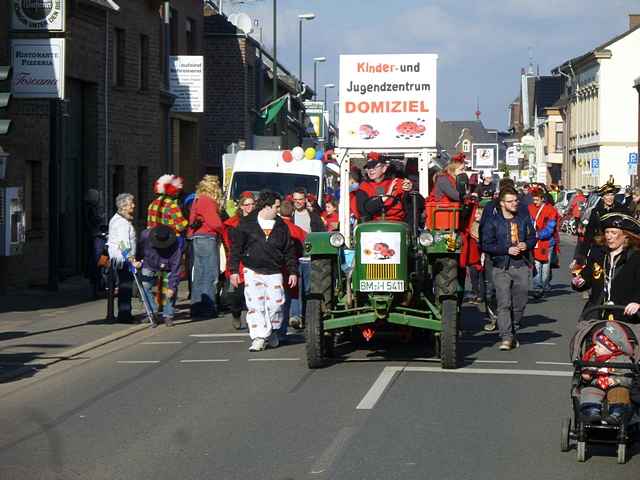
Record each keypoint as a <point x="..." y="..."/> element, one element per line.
<point x="39" y="328"/>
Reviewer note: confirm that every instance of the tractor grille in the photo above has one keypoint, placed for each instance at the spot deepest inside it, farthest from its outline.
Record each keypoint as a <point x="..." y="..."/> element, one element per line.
<point x="382" y="271"/>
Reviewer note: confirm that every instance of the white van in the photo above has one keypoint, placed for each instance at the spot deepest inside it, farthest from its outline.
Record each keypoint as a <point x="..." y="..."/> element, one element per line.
<point x="256" y="170"/>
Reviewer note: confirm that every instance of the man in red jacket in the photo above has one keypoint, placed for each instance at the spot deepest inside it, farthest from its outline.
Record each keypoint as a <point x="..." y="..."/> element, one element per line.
<point x="378" y="184"/>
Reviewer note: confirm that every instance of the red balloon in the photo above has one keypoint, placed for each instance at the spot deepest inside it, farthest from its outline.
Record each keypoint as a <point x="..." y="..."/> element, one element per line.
<point x="287" y="156"/>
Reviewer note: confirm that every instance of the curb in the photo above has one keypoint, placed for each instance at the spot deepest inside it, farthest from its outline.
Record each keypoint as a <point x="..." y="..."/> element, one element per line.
<point x="69" y="354"/>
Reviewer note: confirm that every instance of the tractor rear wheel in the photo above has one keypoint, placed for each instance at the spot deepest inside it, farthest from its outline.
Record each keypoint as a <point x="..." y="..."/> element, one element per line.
<point x="449" y="334"/>
<point x="446" y="278"/>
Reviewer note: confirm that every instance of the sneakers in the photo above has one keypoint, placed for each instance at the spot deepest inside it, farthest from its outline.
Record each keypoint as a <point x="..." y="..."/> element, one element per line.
<point x="273" y="341"/>
<point x="490" y="326"/>
<point x="509" y="344"/>
<point x="257" y="345"/>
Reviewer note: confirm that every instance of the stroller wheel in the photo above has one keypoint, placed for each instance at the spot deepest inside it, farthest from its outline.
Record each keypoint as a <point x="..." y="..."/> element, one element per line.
<point x="565" y="431"/>
<point x="582" y="451"/>
<point x="622" y="453"/>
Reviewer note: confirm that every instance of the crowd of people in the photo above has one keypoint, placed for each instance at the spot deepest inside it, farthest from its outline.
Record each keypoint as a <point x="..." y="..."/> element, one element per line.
<point x="510" y="242"/>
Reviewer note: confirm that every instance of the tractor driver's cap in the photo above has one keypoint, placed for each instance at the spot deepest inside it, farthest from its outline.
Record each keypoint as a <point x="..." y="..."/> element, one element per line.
<point x="373" y="159"/>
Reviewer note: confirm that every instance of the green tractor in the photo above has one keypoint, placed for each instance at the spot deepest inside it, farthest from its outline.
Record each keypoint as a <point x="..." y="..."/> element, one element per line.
<point x="383" y="275"/>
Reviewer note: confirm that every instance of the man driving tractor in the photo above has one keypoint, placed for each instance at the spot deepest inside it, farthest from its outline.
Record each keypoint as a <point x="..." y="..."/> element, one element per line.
<point x="382" y="184"/>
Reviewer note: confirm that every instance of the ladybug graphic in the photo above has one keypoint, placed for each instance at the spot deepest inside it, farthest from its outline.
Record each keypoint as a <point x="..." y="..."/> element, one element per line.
<point x="367" y="132"/>
<point x="409" y="130"/>
<point x="382" y="251"/>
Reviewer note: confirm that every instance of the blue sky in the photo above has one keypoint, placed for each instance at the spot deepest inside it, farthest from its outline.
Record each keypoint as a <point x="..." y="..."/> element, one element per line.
<point x="481" y="44"/>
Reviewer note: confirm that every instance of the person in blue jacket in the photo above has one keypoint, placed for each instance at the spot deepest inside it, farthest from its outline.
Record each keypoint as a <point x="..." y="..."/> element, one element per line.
<point x="507" y="237"/>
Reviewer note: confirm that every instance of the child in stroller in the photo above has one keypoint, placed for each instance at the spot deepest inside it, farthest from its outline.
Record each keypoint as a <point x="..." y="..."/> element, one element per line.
<point x="604" y="389"/>
<point x="609" y="343"/>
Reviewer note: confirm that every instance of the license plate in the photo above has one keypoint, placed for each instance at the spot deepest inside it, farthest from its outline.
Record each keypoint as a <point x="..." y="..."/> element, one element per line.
<point x="382" y="285"/>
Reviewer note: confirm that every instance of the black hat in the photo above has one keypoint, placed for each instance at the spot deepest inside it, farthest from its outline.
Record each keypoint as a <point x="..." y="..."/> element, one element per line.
<point x="621" y="221"/>
<point x="162" y="236"/>
<point x="608" y="187"/>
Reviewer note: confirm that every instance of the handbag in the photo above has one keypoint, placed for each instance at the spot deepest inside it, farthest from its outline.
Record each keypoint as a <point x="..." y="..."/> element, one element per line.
<point x="103" y="261"/>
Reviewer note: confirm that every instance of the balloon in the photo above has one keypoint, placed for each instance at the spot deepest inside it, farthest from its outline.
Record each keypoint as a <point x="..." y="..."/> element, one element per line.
<point x="310" y="153"/>
<point x="287" y="156"/>
<point x="298" y="153"/>
<point x="319" y="154"/>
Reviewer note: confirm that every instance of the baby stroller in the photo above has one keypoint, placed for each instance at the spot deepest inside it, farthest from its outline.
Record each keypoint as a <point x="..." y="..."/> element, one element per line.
<point x="617" y="430"/>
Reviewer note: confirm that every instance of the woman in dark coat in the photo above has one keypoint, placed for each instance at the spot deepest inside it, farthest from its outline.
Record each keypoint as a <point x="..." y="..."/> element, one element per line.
<point x="613" y="272"/>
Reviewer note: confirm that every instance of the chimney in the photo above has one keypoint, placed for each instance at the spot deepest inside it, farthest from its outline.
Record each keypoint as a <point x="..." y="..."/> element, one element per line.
<point x="634" y="21"/>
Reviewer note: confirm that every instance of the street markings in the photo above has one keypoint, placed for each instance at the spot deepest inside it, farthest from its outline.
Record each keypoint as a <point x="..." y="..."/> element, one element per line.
<point x="221" y="341"/>
<point x="379" y="386"/>
<point x="134" y="362"/>
<point x="331" y="453"/>
<point x="215" y="335"/>
<point x="160" y="343"/>
<point x="274" y="359"/>
<point x="388" y="375"/>
<point x="206" y="360"/>
<point x="555" y="363"/>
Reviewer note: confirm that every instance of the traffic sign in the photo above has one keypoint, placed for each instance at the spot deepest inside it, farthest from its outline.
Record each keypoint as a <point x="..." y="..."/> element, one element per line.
<point x="633" y="158"/>
<point x="595" y="167"/>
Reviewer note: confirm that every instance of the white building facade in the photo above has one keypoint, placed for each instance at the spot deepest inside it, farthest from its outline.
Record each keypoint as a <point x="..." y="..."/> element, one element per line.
<point x="601" y="114"/>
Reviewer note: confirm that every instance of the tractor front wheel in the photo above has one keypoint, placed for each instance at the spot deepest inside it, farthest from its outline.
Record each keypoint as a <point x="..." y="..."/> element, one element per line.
<point x="316" y="344"/>
<point x="446" y="278"/>
<point x="449" y="334"/>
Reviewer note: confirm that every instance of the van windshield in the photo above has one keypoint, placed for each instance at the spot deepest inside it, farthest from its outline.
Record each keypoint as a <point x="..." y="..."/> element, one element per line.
<point x="282" y="183"/>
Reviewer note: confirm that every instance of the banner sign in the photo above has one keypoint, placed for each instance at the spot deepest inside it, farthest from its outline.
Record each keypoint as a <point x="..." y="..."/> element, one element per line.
<point x="315" y="114"/>
<point x="484" y="156"/>
<point x="38" y="68"/>
<point x="37" y="15"/>
<point x="512" y="157"/>
<point x="388" y="101"/>
<point x="186" y="82"/>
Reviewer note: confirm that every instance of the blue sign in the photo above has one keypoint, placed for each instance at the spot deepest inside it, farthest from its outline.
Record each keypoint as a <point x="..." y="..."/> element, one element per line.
<point x="595" y="164"/>
<point x="633" y="158"/>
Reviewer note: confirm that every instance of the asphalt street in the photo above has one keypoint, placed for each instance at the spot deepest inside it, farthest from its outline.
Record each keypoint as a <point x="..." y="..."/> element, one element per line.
<point x="192" y="403"/>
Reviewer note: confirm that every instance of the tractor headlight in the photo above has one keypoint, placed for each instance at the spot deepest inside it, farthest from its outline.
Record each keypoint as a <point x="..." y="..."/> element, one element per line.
<point x="425" y="239"/>
<point x="336" y="240"/>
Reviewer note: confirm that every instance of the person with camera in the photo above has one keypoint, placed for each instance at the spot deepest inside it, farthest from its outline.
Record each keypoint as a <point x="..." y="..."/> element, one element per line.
<point x="205" y="230"/>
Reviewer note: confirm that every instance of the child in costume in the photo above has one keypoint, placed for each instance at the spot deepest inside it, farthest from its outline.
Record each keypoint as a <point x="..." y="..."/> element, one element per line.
<point x="610" y="345"/>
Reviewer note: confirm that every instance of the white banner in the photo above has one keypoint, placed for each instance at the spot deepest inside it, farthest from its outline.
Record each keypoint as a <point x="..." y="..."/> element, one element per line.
<point x="485" y="156"/>
<point x="512" y="157"/>
<point x="388" y="101"/>
<point x="38" y="68"/>
<point x="37" y="15"/>
<point x="186" y="78"/>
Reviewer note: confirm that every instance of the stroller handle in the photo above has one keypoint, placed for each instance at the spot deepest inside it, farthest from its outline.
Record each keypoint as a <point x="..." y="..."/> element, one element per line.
<point x="601" y="308"/>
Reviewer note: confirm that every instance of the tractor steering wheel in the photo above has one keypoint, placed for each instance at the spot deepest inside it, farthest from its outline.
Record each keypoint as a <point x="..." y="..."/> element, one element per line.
<point x="369" y="206"/>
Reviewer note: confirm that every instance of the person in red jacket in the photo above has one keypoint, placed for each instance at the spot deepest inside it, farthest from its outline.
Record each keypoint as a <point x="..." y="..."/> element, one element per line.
<point x="205" y="231"/>
<point x="576" y="204"/>
<point x="330" y="215"/>
<point x="545" y="220"/>
<point x="379" y="183"/>
<point x="298" y="235"/>
<point x="246" y="204"/>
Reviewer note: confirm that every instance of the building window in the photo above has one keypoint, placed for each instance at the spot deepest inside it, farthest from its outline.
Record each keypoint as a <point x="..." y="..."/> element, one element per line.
<point x="33" y="196"/>
<point x="173" y="26"/>
<point x="143" y="64"/>
<point x="142" y="197"/>
<point x="559" y="140"/>
<point x="190" y="30"/>
<point x="466" y="146"/>
<point x="118" y="57"/>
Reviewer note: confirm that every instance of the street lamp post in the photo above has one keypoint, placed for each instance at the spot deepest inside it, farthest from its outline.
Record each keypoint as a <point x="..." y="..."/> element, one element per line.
<point x="304" y="16"/>
<point x="335" y="116"/>
<point x="326" y="87"/>
<point x="275" y="56"/>
<point x="316" y="61"/>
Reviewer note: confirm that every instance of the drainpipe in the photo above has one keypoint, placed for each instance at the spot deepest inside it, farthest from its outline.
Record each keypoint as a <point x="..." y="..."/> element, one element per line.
<point x="107" y="90"/>
<point x="167" y="46"/>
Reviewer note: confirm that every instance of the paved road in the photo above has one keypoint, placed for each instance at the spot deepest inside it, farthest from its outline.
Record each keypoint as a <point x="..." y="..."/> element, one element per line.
<point x="192" y="403"/>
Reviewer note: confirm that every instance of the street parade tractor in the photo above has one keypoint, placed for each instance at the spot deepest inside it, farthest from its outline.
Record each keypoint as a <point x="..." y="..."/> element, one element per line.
<point x="385" y="275"/>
